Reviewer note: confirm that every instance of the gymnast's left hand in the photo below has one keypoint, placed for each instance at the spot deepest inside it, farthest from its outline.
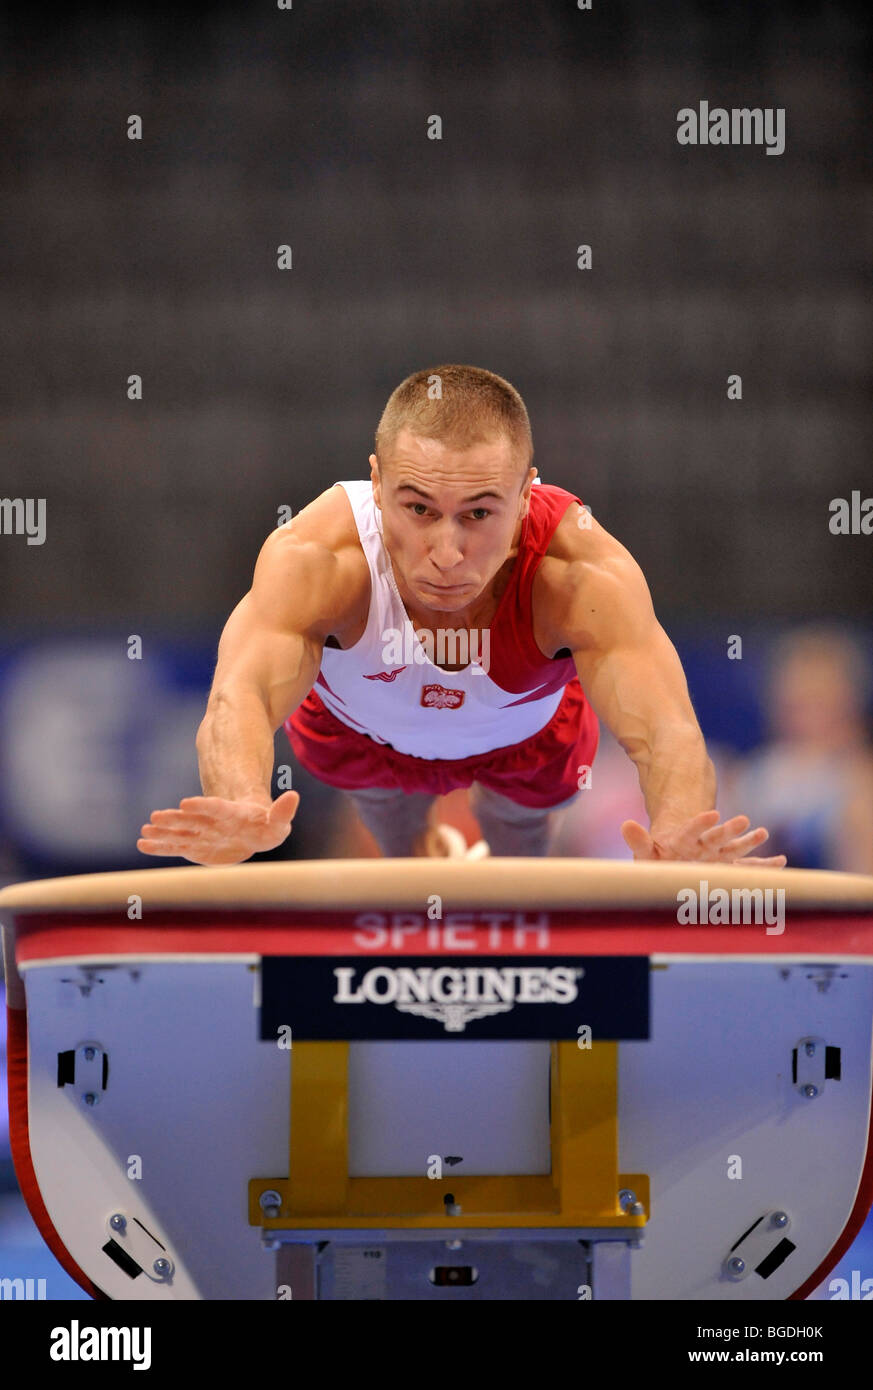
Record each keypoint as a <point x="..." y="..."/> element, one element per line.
<point x="703" y="838"/>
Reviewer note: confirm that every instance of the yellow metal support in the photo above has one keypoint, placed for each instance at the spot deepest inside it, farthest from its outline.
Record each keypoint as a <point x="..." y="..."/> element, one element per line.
<point x="585" y="1129"/>
<point x="318" y="1165"/>
<point x="582" y="1189"/>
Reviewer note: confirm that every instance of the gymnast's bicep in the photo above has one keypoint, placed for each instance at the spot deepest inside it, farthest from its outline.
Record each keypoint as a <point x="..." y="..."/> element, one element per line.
<point x="272" y="643"/>
<point x="628" y="667"/>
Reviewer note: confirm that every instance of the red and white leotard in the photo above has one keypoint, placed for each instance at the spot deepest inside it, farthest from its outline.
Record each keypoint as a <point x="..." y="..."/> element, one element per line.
<point x="382" y="713"/>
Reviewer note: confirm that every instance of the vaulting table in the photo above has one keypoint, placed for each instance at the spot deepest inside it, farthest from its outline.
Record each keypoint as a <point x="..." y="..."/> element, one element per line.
<point x="444" y="1079"/>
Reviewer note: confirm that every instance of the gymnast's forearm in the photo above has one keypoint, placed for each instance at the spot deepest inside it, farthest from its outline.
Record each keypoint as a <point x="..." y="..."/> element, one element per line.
<point x="677" y="776"/>
<point x="235" y="747"/>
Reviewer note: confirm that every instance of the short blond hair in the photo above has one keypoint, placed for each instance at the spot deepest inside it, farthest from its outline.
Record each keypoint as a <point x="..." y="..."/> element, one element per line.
<point x="458" y="405"/>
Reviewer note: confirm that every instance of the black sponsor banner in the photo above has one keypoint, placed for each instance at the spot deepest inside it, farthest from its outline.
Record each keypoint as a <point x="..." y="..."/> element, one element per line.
<point x="338" y="998"/>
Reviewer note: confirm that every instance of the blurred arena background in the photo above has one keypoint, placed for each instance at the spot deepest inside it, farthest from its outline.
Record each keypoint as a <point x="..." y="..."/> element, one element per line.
<point x="308" y="127"/>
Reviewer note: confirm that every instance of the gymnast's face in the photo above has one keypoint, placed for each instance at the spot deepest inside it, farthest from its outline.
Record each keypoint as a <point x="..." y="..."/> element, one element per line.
<point x="450" y="517"/>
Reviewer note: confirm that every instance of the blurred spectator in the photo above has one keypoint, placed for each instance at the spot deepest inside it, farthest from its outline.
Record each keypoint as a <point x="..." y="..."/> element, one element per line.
<point x="812" y="784"/>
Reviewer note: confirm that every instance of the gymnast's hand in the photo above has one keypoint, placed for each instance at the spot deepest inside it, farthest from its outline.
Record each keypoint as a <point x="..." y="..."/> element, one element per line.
<point x="701" y="838"/>
<point x="213" y="830"/>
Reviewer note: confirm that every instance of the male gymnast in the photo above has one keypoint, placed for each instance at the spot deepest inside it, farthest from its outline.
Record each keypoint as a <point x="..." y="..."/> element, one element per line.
<point x="450" y="622"/>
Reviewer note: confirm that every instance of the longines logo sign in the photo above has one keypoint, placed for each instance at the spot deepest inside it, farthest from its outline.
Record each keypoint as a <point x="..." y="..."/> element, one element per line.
<point x="498" y="997"/>
<point x="456" y="995"/>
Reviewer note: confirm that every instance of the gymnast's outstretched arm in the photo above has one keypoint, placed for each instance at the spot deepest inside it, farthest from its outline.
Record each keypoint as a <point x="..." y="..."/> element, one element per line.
<point x="268" y="660"/>
<point x="631" y="673"/>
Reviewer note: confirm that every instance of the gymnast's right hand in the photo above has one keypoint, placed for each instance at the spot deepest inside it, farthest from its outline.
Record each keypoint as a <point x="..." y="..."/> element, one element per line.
<point x="213" y="830"/>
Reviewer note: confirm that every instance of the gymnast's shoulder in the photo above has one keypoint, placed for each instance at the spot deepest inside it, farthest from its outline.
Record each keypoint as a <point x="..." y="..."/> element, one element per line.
<point x="317" y="554"/>
<point x="584" y="561"/>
